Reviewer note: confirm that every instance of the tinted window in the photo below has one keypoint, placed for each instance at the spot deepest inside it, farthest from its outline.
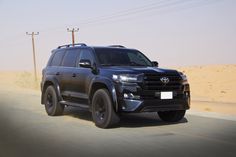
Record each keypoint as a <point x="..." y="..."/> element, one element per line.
<point x="70" y="57"/>
<point x="121" y="57"/>
<point x="56" y="61"/>
<point x="86" y="54"/>
<point x="137" y="58"/>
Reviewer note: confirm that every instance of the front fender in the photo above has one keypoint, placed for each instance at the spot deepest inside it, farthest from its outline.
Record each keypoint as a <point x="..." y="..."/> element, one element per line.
<point x="109" y="85"/>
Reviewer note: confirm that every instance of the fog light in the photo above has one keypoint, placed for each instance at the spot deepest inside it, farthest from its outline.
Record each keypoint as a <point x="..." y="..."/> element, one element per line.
<point x="131" y="96"/>
<point x="128" y="95"/>
<point x="186" y="94"/>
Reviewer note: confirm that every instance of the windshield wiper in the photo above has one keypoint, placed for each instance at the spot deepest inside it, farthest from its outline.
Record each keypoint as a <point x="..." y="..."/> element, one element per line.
<point x="129" y="64"/>
<point x="136" y="64"/>
<point x="109" y="64"/>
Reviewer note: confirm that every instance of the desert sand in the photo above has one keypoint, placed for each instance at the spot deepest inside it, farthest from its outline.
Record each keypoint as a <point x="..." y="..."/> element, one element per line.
<point x="213" y="87"/>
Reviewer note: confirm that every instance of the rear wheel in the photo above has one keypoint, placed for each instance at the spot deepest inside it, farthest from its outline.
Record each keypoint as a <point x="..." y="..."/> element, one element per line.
<point x="52" y="105"/>
<point x="171" y="116"/>
<point x="103" y="112"/>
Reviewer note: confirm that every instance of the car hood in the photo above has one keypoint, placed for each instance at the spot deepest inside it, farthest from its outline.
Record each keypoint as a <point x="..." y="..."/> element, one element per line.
<point x="136" y="70"/>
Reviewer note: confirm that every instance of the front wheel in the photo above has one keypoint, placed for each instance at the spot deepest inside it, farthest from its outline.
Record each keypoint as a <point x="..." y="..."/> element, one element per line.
<point x="171" y="116"/>
<point x="103" y="112"/>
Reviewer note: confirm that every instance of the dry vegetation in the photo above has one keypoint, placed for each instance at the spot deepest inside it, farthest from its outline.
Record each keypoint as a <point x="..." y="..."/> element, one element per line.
<point x="19" y="80"/>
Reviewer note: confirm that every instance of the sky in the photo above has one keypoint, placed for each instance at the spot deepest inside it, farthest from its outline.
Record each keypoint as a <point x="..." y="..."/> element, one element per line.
<point x="172" y="32"/>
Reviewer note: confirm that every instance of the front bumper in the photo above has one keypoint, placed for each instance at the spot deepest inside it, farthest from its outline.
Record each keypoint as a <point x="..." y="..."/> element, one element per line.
<point x="149" y="101"/>
<point x="154" y="105"/>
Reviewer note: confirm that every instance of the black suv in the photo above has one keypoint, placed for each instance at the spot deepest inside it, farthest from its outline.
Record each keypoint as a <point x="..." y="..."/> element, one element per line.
<point x="109" y="81"/>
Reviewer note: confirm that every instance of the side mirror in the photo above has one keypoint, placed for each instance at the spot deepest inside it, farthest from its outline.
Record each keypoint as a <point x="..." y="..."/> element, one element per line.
<point x="155" y="63"/>
<point x="85" y="63"/>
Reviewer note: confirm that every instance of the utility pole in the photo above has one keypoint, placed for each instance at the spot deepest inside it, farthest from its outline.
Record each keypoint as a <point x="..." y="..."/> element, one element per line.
<point x="34" y="57"/>
<point x="73" y="30"/>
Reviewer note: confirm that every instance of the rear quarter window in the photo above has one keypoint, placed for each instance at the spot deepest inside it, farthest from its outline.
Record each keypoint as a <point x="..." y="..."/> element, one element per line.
<point x="70" y="58"/>
<point x="57" y="58"/>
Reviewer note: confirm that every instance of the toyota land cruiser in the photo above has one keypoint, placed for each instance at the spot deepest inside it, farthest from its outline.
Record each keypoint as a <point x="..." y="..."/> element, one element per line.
<point x="109" y="81"/>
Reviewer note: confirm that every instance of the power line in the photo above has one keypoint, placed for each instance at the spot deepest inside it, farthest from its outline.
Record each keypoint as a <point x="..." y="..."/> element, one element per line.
<point x="34" y="57"/>
<point x="124" y="11"/>
<point x="94" y="19"/>
<point x="195" y="5"/>
<point x="154" y="6"/>
<point x="171" y="9"/>
<point x="178" y="5"/>
<point x="73" y="30"/>
<point x="138" y="10"/>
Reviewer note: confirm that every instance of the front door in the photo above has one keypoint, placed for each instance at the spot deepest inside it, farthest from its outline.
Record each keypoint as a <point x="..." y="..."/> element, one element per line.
<point x="82" y="76"/>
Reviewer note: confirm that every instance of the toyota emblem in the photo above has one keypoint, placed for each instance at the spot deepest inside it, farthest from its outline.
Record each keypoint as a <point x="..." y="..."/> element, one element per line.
<point x="165" y="80"/>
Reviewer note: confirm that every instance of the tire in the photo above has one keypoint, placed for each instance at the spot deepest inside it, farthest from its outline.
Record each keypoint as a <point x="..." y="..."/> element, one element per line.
<point x="172" y="116"/>
<point x="103" y="112"/>
<point x="52" y="105"/>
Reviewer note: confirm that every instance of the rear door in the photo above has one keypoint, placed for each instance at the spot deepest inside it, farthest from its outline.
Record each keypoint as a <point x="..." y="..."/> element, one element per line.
<point x="54" y="68"/>
<point x="67" y="72"/>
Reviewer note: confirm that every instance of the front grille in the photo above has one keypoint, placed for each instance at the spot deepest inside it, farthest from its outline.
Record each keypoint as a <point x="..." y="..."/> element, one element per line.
<point x="153" y="82"/>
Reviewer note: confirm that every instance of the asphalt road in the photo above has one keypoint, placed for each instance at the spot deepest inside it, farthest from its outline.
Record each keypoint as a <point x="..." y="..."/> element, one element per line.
<point x="26" y="130"/>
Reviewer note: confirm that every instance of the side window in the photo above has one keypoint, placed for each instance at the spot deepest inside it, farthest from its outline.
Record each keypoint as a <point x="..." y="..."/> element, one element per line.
<point x="86" y="54"/>
<point x="57" y="58"/>
<point x="50" y="59"/>
<point x="70" y="57"/>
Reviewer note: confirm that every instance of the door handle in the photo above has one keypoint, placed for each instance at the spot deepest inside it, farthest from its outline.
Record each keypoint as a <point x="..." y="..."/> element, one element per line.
<point x="73" y="75"/>
<point x="57" y="73"/>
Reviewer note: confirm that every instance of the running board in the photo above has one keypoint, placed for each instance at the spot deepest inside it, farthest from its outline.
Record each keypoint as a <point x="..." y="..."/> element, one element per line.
<point x="75" y="104"/>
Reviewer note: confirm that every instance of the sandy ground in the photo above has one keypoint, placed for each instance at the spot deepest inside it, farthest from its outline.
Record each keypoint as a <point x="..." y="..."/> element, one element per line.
<point x="213" y="87"/>
<point x="27" y="131"/>
<point x="212" y="83"/>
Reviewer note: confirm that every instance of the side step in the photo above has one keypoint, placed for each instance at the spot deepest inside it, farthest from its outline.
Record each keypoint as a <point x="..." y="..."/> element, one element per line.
<point x="83" y="106"/>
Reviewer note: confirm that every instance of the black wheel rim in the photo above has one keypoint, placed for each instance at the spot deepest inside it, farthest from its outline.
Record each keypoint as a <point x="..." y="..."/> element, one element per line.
<point x="100" y="109"/>
<point x="49" y="100"/>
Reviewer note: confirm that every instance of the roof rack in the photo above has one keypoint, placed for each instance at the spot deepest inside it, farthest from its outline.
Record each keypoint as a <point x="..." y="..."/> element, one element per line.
<point x="119" y="46"/>
<point x="71" y="45"/>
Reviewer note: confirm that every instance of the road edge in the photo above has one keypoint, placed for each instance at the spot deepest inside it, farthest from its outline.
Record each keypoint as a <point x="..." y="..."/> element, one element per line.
<point x="211" y="115"/>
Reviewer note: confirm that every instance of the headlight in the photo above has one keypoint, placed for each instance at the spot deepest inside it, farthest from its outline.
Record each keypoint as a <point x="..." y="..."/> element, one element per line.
<point x="126" y="78"/>
<point x="183" y="76"/>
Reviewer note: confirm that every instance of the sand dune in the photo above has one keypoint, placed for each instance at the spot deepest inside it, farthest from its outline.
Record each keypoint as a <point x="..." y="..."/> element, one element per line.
<point x="215" y="83"/>
<point x="213" y="87"/>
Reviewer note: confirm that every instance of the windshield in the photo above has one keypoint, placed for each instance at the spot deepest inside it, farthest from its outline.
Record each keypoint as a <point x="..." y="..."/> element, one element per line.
<point x="121" y="57"/>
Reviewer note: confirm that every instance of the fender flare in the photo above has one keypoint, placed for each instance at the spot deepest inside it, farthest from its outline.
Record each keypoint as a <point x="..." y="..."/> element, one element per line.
<point x="111" y="89"/>
<point x="55" y="83"/>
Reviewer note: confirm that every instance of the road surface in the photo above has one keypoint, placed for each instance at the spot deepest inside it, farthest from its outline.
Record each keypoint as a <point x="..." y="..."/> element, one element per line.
<point x="26" y="130"/>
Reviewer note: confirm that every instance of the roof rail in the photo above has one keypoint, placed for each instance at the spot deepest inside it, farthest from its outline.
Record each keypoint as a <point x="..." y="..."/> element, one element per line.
<point x="71" y="45"/>
<point x="118" y="46"/>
